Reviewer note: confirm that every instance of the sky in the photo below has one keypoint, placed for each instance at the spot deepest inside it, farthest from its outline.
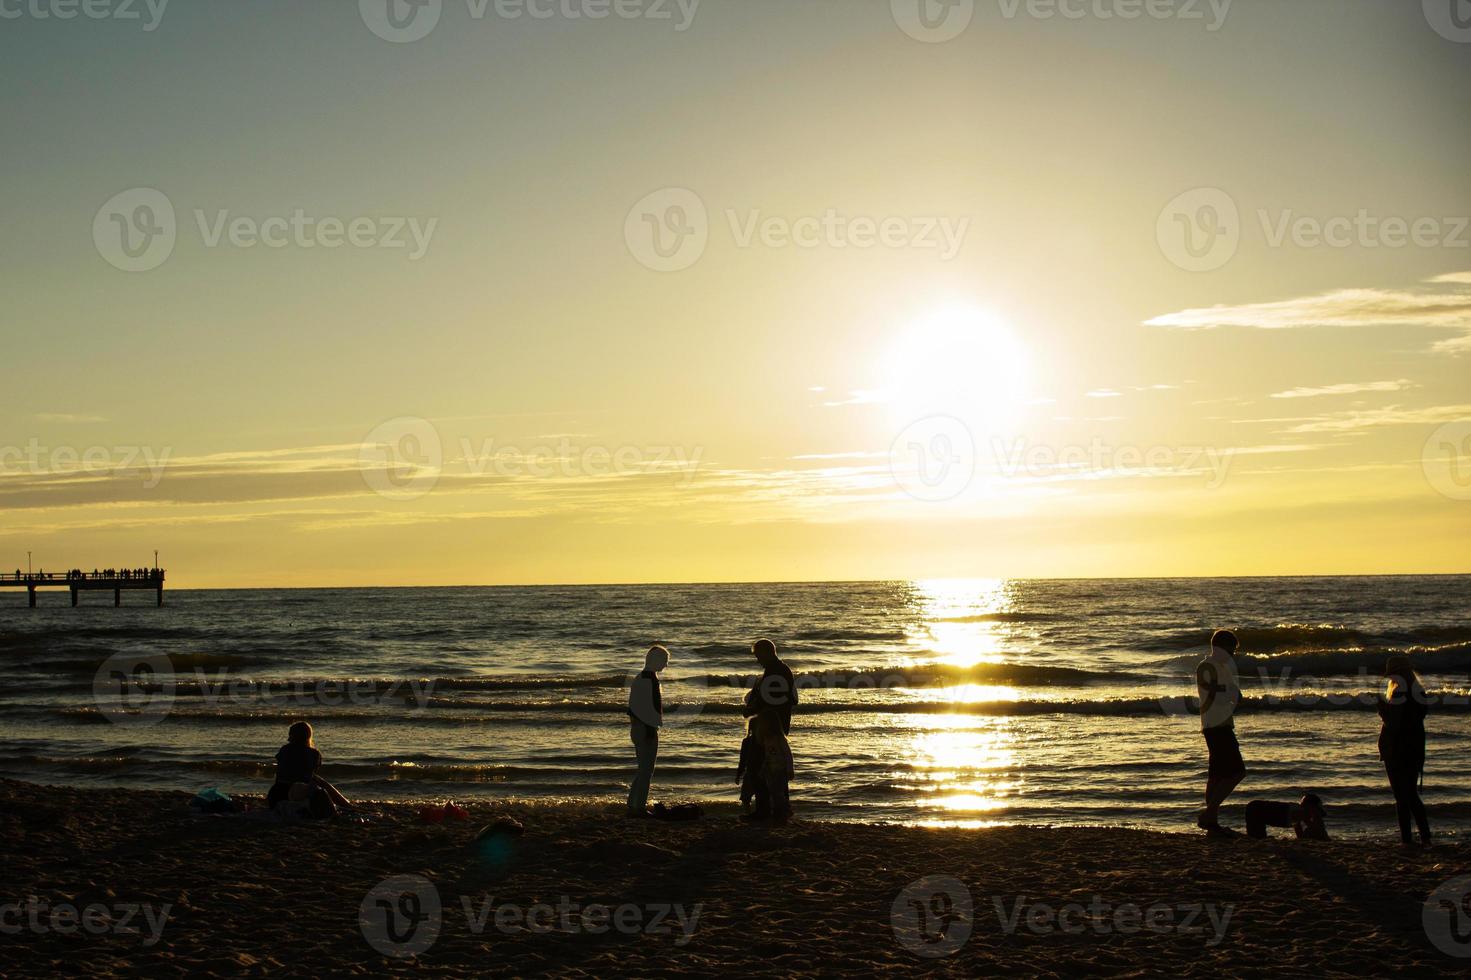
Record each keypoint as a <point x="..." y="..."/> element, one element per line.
<point x="527" y="291"/>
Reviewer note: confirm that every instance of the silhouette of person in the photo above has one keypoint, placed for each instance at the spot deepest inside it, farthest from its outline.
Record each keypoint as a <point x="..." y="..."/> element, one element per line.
<point x="775" y="690"/>
<point x="1402" y="709"/>
<point x="1305" y="817"/>
<point x="1220" y="694"/>
<point x="646" y="718"/>
<point x="297" y="763"/>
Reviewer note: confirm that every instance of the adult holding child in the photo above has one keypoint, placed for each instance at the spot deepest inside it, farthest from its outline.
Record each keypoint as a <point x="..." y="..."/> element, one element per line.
<point x="768" y="714"/>
<point x="775" y="690"/>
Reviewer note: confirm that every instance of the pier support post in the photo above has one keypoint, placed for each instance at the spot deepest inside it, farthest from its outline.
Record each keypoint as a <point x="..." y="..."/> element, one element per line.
<point x="74" y="595"/>
<point x="31" y="589"/>
<point x="117" y="597"/>
<point x="160" y="595"/>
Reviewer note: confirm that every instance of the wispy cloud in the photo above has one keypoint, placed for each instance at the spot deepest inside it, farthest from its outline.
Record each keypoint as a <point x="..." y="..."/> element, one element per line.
<point x="68" y="418"/>
<point x="1443" y="302"/>
<point x="1355" y="420"/>
<point x="1351" y="388"/>
<point x="863" y="396"/>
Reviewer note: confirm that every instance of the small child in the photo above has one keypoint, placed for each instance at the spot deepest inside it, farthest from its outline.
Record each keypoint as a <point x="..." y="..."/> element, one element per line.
<point x="748" y="771"/>
<point x="1305" y="817"/>
<point x="777" y="770"/>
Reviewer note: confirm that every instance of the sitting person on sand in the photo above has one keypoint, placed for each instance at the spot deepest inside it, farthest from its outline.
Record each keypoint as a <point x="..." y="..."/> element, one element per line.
<point x="773" y="796"/>
<point x="297" y="779"/>
<point x="1305" y="817"/>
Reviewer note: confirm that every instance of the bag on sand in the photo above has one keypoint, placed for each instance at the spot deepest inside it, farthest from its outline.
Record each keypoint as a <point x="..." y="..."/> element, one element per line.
<point x="677" y="812"/>
<point x="211" y="800"/>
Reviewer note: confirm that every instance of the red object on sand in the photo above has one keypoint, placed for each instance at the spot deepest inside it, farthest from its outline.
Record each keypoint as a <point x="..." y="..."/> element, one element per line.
<point x="431" y="814"/>
<point x="455" y="811"/>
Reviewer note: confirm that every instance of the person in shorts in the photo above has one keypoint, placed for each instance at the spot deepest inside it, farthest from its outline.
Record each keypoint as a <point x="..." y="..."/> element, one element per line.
<point x="1220" y="694"/>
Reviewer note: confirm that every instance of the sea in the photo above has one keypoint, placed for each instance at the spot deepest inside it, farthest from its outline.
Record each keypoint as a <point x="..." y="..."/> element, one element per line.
<point x="967" y="703"/>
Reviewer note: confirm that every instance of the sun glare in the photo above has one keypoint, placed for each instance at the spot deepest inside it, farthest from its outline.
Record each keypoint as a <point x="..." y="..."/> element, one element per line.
<point x="958" y="360"/>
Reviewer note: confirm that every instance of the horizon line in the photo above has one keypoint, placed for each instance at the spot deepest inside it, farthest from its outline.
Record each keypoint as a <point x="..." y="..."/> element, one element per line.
<point x="821" y="581"/>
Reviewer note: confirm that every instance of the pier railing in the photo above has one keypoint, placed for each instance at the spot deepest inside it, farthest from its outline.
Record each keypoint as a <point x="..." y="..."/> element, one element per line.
<point x="79" y="581"/>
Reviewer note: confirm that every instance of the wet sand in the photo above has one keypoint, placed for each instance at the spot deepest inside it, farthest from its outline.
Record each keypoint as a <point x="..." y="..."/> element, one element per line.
<point x="131" y="883"/>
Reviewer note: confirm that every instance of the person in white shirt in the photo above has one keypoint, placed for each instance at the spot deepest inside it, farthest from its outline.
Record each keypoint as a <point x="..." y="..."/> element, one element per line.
<point x="646" y="717"/>
<point x="1220" y="693"/>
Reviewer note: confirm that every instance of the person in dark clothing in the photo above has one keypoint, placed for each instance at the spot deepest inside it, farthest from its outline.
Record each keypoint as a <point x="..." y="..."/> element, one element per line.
<point x="645" y="718"/>
<point x="1219" y="690"/>
<point x="773" y="794"/>
<point x="298" y="763"/>
<point x="775" y="690"/>
<point x="1305" y="817"/>
<point x="748" y="770"/>
<point x="774" y="693"/>
<point x="1402" y="710"/>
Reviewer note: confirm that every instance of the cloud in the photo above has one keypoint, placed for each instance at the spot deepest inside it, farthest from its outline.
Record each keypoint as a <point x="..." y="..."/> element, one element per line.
<point x="862" y="396"/>
<point x="1356" y="420"/>
<point x="1350" y="388"/>
<point x="68" y="418"/>
<point x="1443" y="302"/>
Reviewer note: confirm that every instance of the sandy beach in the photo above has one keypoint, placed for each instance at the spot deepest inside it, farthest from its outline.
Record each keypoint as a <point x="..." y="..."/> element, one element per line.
<point x="128" y="883"/>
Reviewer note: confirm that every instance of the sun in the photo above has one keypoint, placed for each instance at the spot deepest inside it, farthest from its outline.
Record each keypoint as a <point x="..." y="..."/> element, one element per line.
<point x="960" y="360"/>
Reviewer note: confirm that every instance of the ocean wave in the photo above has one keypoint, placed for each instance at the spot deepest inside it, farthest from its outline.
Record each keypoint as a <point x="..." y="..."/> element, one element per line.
<point x="1256" y="640"/>
<point x="189" y="683"/>
<point x="1300" y="638"/>
<point x="179" y="662"/>
<point x="440" y="711"/>
<point x="849" y="635"/>
<point x="381" y="770"/>
<point x="1450" y="658"/>
<point x="1004" y="617"/>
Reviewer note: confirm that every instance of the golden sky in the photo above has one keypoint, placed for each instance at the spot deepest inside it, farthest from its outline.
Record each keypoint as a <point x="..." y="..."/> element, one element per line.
<point x="755" y="291"/>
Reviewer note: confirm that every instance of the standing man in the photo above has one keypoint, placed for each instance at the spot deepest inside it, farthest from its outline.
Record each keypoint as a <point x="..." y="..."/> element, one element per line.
<point x="1220" y="693"/>
<point x="646" y="717"/>
<point x="773" y="694"/>
<point x="775" y="690"/>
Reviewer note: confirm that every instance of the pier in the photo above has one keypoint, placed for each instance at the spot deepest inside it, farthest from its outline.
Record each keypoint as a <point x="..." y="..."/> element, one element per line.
<point x="118" y="580"/>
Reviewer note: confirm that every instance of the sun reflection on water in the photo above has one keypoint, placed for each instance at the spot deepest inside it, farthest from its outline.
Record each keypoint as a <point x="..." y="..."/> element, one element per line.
<point x="963" y="620"/>
<point x="962" y="765"/>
